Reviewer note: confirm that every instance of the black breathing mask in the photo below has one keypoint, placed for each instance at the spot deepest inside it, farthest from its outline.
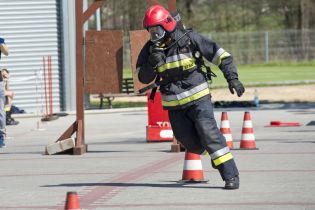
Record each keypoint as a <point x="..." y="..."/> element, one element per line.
<point x="157" y="35"/>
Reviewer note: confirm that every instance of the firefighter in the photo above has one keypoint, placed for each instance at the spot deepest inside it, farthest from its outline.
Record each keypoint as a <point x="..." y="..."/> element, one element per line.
<point x="174" y="58"/>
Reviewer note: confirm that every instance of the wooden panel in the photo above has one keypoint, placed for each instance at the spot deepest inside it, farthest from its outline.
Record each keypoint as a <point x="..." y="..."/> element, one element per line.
<point x="172" y="5"/>
<point x="137" y="41"/>
<point x="104" y="61"/>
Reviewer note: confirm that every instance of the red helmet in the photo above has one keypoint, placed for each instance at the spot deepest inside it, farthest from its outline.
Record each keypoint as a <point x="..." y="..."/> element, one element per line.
<point x="158" y="15"/>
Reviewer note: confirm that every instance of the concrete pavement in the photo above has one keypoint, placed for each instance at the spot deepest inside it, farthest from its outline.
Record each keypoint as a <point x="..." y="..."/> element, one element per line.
<point x="122" y="171"/>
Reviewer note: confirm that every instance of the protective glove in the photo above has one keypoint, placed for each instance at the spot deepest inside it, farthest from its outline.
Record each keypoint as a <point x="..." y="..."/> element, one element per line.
<point x="1" y="40"/>
<point x="237" y="86"/>
<point x="157" y="57"/>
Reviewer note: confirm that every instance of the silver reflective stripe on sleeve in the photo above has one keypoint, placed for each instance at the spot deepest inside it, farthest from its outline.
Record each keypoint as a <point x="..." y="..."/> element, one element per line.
<point x="178" y="57"/>
<point x="219" y="153"/>
<point x="187" y="93"/>
<point x="219" y="55"/>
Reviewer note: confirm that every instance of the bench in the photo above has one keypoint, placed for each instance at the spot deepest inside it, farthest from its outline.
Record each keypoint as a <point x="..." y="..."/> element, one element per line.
<point x="127" y="91"/>
<point x="127" y="86"/>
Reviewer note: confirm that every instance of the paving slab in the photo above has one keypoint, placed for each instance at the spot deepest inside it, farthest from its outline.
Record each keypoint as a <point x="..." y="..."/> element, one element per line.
<point x="122" y="171"/>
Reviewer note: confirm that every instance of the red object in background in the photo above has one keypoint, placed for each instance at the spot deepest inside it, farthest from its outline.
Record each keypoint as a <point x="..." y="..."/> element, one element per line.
<point x="159" y="127"/>
<point x="47" y="68"/>
<point x="283" y="124"/>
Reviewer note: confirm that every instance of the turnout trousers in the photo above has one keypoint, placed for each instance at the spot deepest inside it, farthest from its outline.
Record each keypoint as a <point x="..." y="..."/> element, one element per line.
<point x="196" y="128"/>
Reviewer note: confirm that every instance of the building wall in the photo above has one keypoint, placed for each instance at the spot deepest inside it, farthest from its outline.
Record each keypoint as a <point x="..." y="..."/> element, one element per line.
<point x="31" y="29"/>
<point x="68" y="56"/>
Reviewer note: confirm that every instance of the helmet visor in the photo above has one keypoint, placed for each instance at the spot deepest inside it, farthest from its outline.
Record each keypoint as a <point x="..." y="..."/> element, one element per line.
<point x="156" y="33"/>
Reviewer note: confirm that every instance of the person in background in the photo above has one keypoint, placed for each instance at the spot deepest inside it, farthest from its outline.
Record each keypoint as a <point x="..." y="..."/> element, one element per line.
<point x="8" y="98"/>
<point x="3" y="50"/>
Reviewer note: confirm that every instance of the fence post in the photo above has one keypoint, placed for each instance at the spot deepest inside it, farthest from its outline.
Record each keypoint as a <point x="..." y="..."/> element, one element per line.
<point x="266" y="47"/>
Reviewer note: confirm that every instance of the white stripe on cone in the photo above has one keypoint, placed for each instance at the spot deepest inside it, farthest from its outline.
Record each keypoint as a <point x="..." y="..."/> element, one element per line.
<point x="248" y="137"/>
<point x="192" y="165"/>
<point x="225" y="124"/>
<point x="228" y="137"/>
<point x="247" y="124"/>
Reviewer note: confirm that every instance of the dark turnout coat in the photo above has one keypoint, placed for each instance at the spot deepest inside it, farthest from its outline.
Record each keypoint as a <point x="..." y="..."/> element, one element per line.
<point x="182" y="69"/>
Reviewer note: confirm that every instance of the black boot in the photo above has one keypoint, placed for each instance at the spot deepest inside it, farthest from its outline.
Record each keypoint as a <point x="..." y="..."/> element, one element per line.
<point x="232" y="183"/>
<point x="10" y="120"/>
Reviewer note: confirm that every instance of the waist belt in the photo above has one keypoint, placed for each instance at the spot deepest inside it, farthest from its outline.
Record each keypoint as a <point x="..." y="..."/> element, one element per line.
<point x="164" y="81"/>
<point x="154" y="86"/>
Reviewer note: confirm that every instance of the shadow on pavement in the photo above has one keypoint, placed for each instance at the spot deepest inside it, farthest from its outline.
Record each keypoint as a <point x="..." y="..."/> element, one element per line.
<point x="24" y="153"/>
<point x="122" y="184"/>
<point x="104" y="151"/>
<point x="301" y="131"/>
<point x="302" y="141"/>
<point x="128" y="141"/>
<point x="298" y="107"/>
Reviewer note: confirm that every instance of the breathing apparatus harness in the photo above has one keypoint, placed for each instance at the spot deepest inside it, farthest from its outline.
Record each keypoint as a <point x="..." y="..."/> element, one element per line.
<point x="199" y="61"/>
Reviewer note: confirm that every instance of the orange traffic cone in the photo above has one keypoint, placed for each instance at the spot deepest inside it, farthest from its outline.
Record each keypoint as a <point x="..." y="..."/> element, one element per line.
<point x="72" y="202"/>
<point x="192" y="172"/>
<point x="248" y="137"/>
<point x="225" y="130"/>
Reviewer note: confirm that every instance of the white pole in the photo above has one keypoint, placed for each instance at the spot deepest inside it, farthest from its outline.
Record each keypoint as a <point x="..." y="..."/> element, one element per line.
<point x="86" y="28"/>
<point x="266" y="47"/>
<point x="37" y="102"/>
<point x="98" y="20"/>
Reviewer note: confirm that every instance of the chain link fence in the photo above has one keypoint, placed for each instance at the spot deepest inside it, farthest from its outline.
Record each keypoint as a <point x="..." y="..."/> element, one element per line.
<point x="265" y="47"/>
<point x="259" y="47"/>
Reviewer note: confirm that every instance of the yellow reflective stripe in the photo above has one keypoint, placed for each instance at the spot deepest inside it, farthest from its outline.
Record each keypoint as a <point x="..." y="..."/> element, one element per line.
<point x="224" y="55"/>
<point x="7" y="109"/>
<point x="187" y="63"/>
<point x="223" y="159"/>
<point x="205" y="153"/>
<point x="187" y="99"/>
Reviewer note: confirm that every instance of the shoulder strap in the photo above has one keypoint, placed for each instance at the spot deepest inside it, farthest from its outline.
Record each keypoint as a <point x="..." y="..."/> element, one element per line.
<point x="199" y="58"/>
<point x="195" y="50"/>
<point x="152" y="94"/>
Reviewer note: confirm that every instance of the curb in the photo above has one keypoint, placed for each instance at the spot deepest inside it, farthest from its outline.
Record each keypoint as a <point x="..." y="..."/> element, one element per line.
<point x="87" y="112"/>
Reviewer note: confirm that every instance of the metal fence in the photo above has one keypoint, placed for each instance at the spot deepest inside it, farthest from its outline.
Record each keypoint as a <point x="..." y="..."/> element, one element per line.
<point x="260" y="47"/>
<point x="265" y="47"/>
